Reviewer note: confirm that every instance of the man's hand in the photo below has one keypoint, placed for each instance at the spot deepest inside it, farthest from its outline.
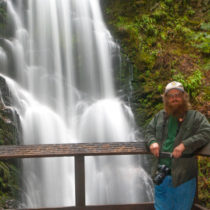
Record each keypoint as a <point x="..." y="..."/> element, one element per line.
<point x="178" y="151"/>
<point x="155" y="149"/>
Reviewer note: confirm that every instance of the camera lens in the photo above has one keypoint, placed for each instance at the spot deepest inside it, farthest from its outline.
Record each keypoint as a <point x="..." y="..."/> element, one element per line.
<point x="160" y="174"/>
<point x="158" y="179"/>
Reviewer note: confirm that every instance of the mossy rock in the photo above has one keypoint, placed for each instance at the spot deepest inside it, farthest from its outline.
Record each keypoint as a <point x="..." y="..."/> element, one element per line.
<point x="10" y="134"/>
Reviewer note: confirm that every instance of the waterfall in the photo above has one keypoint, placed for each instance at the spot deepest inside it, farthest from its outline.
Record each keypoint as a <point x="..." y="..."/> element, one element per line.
<point x="58" y="63"/>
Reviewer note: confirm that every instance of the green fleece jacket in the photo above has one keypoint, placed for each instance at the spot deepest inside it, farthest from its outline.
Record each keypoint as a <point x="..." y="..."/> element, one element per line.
<point x="194" y="132"/>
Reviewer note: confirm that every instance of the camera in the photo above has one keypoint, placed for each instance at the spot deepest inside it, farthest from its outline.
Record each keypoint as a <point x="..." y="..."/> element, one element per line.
<point x="161" y="173"/>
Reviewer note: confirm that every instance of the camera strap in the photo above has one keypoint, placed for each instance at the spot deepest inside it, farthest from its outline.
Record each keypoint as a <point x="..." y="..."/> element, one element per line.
<point x="169" y="155"/>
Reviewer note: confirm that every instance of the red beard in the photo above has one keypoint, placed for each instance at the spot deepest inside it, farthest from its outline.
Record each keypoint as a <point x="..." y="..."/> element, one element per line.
<point x="176" y="108"/>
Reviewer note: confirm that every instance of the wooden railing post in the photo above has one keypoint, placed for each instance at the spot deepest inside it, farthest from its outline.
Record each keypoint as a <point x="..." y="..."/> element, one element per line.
<point x="79" y="180"/>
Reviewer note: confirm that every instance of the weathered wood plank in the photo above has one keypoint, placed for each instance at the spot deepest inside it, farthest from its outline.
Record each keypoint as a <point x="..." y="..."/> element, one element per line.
<point x="141" y="206"/>
<point x="85" y="149"/>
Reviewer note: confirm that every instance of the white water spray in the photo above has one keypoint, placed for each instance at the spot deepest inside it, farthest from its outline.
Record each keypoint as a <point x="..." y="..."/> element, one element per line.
<point x="60" y="57"/>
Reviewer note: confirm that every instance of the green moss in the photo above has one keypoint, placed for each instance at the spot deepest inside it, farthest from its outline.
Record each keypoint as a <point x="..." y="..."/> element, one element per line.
<point x="9" y="135"/>
<point x="9" y="189"/>
<point x="9" y="174"/>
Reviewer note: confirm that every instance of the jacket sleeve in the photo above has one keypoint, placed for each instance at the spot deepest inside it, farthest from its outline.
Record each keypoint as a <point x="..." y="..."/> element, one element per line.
<point x="150" y="131"/>
<point x="201" y="135"/>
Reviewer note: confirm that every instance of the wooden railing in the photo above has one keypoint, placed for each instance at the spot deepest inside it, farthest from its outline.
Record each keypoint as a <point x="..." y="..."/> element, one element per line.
<point x="79" y="151"/>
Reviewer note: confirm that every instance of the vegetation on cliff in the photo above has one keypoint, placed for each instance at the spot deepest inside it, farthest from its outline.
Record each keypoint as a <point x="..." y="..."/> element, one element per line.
<point x="165" y="40"/>
<point x="10" y="132"/>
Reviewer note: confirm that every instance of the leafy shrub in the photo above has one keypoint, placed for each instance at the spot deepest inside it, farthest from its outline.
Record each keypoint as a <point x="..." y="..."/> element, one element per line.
<point x="205" y="26"/>
<point x="147" y="25"/>
<point x="191" y="84"/>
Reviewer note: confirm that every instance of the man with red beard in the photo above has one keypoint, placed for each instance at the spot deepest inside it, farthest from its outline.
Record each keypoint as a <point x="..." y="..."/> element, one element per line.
<point x="173" y="135"/>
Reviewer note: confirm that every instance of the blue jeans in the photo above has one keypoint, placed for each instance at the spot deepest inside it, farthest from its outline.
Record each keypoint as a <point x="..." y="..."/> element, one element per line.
<point x="168" y="197"/>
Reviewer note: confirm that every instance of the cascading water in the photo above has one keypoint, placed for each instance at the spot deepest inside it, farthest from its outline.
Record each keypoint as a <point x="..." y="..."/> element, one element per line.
<point x="59" y="52"/>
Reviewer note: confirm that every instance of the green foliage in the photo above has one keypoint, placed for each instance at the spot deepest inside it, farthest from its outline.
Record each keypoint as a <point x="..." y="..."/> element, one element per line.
<point x="8" y="182"/>
<point x="147" y="25"/>
<point x="204" y="46"/>
<point x="124" y="24"/>
<point x="200" y="40"/>
<point x="205" y="26"/>
<point x="192" y="84"/>
<point x="206" y="66"/>
<point x="204" y="180"/>
<point x="9" y="173"/>
<point x="160" y="88"/>
<point x="190" y="11"/>
<point x="163" y="35"/>
<point x="184" y="31"/>
<point x="160" y="13"/>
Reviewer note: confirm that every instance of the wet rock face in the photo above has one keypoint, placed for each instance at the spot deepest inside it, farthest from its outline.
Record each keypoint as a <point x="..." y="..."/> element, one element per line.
<point x="4" y="93"/>
<point x="10" y="133"/>
<point x="10" y="126"/>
